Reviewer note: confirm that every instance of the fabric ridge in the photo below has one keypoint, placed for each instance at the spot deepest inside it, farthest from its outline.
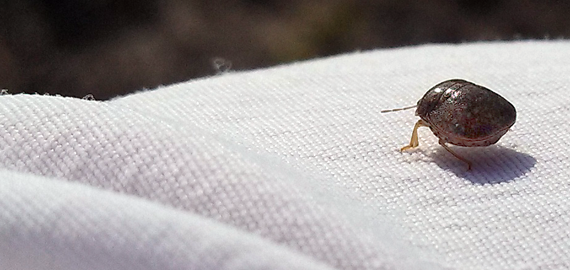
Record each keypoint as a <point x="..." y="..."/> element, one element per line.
<point x="292" y="167"/>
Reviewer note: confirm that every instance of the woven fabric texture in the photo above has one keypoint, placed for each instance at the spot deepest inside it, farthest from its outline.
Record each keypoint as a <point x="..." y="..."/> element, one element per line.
<point x="293" y="167"/>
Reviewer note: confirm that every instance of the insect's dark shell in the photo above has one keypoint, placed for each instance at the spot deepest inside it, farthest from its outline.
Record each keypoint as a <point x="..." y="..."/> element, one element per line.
<point x="465" y="114"/>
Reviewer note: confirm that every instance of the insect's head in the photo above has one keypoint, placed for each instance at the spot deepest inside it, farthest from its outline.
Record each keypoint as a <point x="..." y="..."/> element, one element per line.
<point x="436" y="96"/>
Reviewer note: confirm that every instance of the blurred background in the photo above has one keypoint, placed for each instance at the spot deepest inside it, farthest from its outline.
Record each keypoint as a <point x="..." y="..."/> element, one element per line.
<point x="115" y="47"/>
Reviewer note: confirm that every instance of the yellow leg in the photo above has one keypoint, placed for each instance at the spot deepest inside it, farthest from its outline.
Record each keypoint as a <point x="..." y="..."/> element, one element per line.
<point x="442" y="143"/>
<point x="414" y="141"/>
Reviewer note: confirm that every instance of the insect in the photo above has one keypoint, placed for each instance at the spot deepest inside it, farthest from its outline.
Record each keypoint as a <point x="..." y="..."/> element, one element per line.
<point x="462" y="113"/>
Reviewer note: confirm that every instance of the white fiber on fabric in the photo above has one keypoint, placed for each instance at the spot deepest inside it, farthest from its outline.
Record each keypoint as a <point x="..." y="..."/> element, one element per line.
<point x="51" y="224"/>
<point x="293" y="167"/>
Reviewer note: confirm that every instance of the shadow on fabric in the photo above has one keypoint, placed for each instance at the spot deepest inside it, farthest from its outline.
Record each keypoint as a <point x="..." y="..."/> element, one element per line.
<point x="490" y="165"/>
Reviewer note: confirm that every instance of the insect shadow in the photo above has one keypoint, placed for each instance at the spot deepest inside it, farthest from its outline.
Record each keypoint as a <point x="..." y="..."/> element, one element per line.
<point x="491" y="165"/>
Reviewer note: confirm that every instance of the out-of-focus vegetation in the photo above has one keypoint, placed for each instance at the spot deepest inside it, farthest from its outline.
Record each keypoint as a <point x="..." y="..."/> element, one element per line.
<point x="113" y="47"/>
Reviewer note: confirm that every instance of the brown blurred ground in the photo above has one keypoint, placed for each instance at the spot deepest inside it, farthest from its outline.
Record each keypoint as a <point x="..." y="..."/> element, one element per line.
<point x="108" y="48"/>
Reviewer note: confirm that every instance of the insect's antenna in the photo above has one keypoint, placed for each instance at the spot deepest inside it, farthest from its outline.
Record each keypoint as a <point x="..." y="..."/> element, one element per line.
<point x="399" y="109"/>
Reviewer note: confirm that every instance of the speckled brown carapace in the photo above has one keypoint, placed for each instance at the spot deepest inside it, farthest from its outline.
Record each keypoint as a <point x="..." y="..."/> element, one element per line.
<point x="466" y="114"/>
<point x="463" y="113"/>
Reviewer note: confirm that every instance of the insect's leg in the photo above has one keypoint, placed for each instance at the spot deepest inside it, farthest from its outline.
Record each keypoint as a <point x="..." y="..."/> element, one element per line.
<point x="442" y="143"/>
<point x="414" y="141"/>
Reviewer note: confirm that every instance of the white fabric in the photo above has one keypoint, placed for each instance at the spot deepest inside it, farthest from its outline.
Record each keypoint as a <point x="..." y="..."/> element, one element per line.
<point x="292" y="167"/>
